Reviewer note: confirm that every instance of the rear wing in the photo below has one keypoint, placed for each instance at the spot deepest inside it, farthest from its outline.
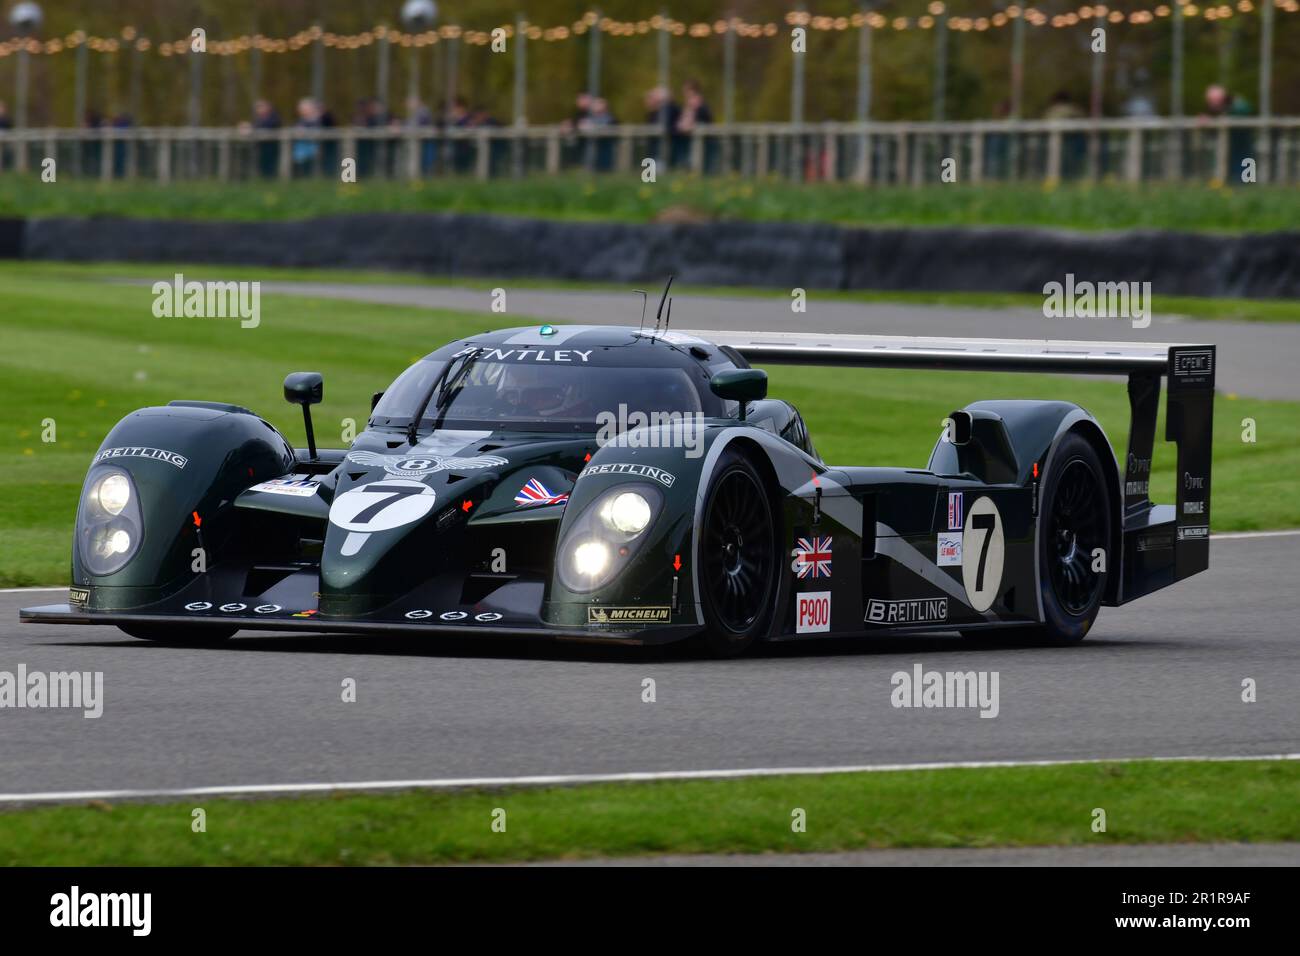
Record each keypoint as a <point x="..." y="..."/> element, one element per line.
<point x="1160" y="544"/>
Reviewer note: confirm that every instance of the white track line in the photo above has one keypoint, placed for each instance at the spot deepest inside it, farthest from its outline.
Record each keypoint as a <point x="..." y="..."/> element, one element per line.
<point x="1230" y="536"/>
<point x="561" y="780"/>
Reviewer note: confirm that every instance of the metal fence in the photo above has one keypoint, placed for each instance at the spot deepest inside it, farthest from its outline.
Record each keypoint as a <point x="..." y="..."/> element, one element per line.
<point x="869" y="154"/>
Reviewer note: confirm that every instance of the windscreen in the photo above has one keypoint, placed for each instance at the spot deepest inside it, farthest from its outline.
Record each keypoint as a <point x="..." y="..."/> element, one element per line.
<point x="547" y="397"/>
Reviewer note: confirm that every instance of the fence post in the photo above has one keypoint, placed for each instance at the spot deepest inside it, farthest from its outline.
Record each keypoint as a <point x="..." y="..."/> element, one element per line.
<point x="106" y="151"/>
<point x="482" y="156"/>
<point x="977" y="156"/>
<point x="1133" y="156"/>
<point x="223" y="157"/>
<point x="900" y="160"/>
<point x="1221" y="153"/>
<point x="1054" y="155"/>
<point x="164" y="149"/>
<point x="286" y="161"/>
<point x="552" y="151"/>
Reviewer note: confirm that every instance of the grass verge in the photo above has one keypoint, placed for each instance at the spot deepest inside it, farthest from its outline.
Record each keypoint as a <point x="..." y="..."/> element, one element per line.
<point x="624" y="198"/>
<point x="1163" y="306"/>
<point x="81" y="354"/>
<point x="1144" y="802"/>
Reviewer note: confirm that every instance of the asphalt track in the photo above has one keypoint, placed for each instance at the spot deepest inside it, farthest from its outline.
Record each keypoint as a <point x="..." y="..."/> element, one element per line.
<point x="1161" y="677"/>
<point x="1256" y="359"/>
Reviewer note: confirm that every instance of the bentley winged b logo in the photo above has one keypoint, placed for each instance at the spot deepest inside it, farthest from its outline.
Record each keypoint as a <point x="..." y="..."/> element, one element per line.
<point x="415" y="466"/>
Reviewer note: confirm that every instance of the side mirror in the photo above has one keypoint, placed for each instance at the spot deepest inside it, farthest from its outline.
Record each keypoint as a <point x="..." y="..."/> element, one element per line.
<point x="305" y="389"/>
<point x="740" y="385"/>
<point x="960" y="430"/>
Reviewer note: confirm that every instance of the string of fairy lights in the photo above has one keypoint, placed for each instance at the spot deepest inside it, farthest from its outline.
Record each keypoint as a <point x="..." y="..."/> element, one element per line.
<point x="130" y="38"/>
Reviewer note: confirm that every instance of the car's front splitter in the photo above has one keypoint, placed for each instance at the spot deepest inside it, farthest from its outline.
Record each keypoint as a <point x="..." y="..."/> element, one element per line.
<point x="315" y="623"/>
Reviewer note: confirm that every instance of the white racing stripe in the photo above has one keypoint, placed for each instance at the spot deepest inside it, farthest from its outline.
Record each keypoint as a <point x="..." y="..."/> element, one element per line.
<point x="560" y="780"/>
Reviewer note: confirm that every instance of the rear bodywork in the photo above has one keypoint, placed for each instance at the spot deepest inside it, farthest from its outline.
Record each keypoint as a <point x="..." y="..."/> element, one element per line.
<point x="240" y="529"/>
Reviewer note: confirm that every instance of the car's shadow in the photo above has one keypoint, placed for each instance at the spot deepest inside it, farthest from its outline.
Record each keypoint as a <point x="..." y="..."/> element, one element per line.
<point x="549" y="650"/>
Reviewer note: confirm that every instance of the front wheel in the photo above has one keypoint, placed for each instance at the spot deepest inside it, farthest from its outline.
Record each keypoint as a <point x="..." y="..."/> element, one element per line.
<point x="738" y="567"/>
<point x="180" y="635"/>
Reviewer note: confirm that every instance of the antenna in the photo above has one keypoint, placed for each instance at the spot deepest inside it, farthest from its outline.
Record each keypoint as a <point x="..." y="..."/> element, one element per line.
<point x="659" y="314"/>
<point x="644" y="297"/>
<point x="669" y="317"/>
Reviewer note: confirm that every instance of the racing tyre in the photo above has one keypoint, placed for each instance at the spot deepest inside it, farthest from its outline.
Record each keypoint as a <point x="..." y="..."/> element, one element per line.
<point x="737" y="554"/>
<point x="1074" y="522"/>
<point x="181" y="635"/>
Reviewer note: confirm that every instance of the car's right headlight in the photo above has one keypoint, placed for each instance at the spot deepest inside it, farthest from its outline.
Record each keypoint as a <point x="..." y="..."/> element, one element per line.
<point x="109" y="526"/>
<point x="606" y="536"/>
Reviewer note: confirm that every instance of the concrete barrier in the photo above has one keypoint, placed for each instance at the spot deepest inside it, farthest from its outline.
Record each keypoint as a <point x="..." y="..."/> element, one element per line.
<point x="777" y="255"/>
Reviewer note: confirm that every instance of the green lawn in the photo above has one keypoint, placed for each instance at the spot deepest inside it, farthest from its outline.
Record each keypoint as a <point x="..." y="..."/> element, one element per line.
<point x="85" y="353"/>
<point x="1107" y="206"/>
<point x="1231" y="310"/>
<point x="1144" y="802"/>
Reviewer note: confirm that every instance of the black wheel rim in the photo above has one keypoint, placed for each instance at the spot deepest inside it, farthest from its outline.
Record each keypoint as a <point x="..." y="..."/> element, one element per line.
<point x="738" y="554"/>
<point x="1076" y="530"/>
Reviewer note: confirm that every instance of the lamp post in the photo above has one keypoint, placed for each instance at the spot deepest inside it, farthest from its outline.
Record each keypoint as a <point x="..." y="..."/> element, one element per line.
<point x="417" y="16"/>
<point x="26" y="18"/>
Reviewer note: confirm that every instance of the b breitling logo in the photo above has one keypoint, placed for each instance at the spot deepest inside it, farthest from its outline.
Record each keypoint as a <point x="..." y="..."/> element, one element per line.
<point x="415" y="466"/>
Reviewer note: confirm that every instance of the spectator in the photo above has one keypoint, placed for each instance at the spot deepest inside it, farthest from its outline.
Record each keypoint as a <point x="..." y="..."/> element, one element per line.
<point x="1062" y="107"/>
<point x="1221" y="103"/>
<point x="1074" y="144"/>
<point x="581" y="111"/>
<point x="459" y="116"/>
<point x="601" y="149"/>
<point x="600" y="115"/>
<point x="265" y="118"/>
<point x="121" y="120"/>
<point x="1140" y="104"/>
<point x="462" y="151"/>
<point x="306" y="153"/>
<point x="695" y="112"/>
<point x="420" y="117"/>
<point x="661" y="111"/>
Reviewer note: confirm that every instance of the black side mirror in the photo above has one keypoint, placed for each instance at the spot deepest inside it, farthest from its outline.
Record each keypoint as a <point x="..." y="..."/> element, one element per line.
<point x="740" y="385"/>
<point x="305" y="389"/>
<point x="959" y="431"/>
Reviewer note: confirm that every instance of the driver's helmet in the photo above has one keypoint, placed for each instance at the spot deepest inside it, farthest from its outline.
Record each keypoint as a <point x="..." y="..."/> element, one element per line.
<point x="539" y="391"/>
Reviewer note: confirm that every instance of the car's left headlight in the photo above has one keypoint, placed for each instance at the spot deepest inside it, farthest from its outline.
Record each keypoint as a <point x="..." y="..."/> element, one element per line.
<point x="607" y="535"/>
<point x="109" y="526"/>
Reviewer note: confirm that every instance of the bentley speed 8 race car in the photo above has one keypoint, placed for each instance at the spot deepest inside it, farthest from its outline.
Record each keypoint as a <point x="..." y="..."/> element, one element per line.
<point x="613" y="484"/>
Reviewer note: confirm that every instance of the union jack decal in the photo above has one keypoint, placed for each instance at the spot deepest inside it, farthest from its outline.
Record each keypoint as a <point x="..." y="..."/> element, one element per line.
<point x="812" y="558"/>
<point x="536" y="493"/>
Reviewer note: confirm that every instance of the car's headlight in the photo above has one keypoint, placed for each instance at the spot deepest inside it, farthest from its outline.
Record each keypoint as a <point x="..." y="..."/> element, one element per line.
<point x="627" y="512"/>
<point x="606" y="536"/>
<point x="591" y="558"/>
<point x="109" y="525"/>
<point x="112" y="492"/>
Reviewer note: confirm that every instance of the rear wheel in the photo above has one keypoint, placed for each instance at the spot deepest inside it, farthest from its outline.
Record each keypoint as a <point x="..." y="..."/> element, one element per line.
<point x="1073" y="540"/>
<point x="181" y="635"/>
<point x="738" y="567"/>
<point x="1073" y="534"/>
